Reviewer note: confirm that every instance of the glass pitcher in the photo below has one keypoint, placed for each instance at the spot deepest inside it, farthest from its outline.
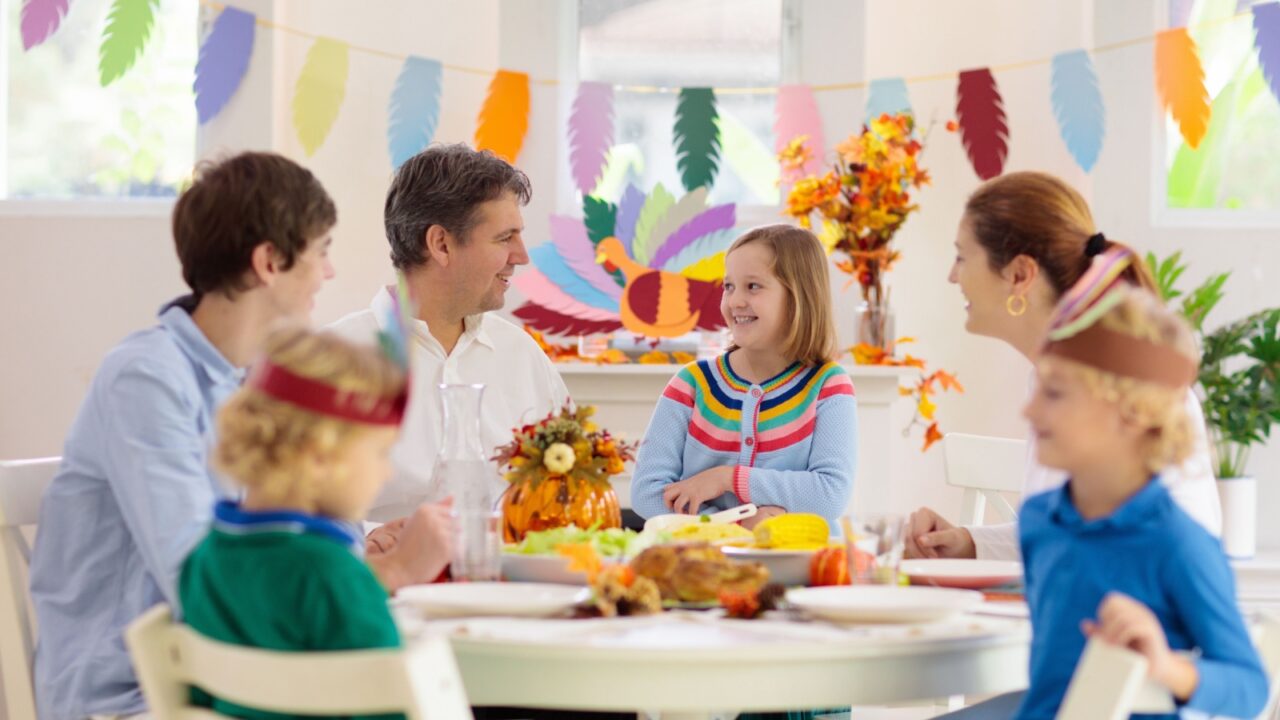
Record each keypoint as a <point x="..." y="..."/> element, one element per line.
<point x="463" y="471"/>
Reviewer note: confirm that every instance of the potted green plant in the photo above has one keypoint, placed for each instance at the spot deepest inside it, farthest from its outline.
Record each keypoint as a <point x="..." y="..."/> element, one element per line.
<point x="1239" y="387"/>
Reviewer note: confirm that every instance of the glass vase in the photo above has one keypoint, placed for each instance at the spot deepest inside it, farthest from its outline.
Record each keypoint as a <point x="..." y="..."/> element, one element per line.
<point x="874" y="325"/>
<point x="471" y="479"/>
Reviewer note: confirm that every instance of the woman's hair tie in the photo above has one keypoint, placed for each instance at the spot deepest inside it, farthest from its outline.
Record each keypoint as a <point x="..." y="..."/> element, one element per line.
<point x="1096" y="246"/>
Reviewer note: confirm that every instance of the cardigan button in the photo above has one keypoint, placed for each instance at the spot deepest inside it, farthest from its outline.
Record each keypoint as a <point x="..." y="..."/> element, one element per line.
<point x="755" y="392"/>
<point x="750" y="442"/>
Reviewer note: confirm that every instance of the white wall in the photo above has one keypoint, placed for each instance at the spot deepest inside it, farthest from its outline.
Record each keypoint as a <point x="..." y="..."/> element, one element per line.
<point x="72" y="286"/>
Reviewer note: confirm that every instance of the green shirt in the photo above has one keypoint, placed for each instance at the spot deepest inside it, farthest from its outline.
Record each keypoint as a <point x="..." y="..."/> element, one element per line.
<point x="282" y="581"/>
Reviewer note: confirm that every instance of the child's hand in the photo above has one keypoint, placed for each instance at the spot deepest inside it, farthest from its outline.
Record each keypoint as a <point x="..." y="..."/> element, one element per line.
<point x="929" y="535"/>
<point x="763" y="514"/>
<point x="687" y="496"/>
<point x="425" y="544"/>
<point x="1128" y="623"/>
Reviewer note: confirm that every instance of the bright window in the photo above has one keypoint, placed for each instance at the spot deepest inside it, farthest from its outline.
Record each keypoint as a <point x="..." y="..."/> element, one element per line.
<point x="1237" y="165"/>
<point x="687" y="43"/>
<point x="66" y="136"/>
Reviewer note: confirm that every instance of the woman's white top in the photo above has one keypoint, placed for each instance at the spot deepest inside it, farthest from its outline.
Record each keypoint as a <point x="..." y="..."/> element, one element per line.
<point x="1191" y="484"/>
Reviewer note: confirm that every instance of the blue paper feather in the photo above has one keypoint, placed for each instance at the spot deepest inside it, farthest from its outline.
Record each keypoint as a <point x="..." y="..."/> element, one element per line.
<point x="887" y="96"/>
<point x="414" y="111"/>
<point x="624" y="227"/>
<point x="548" y="260"/>
<point x="1077" y="103"/>
<point x="224" y="58"/>
<point x="1266" y="26"/>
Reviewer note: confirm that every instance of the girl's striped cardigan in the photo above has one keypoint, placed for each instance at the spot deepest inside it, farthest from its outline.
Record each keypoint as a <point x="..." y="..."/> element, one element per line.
<point x="792" y="440"/>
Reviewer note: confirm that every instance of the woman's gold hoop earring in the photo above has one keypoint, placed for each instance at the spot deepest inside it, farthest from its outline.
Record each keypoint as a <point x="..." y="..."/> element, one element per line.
<point x="1016" y="305"/>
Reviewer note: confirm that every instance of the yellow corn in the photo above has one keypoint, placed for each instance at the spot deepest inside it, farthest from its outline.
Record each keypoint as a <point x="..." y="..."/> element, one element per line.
<point x="793" y="531"/>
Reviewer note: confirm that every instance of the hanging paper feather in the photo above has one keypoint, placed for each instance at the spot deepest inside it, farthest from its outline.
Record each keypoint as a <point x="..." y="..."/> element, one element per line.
<point x="504" y="117"/>
<point x="752" y="161"/>
<point x="40" y="20"/>
<point x="1179" y="12"/>
<point x="680" y="213"/>
<point x="983" y="130"/>
<point x="414" y="112"/>
<point x="128" y="29"/>
<point x="590" y="133"/>
<point x="720" y="217"/>
<point x="570" y="238"/>
<point x="1180" y="84"/>
<point x="624" y="228"/>
<point x="394" y="328"/>
<point x="796" y="114"/>
<point x="1266" y="26"/>
<point x="224" y="59"/>
<point x="1077" y="103"/>
<point x="887" y="96"/>
<point x="697" y="138"/>
<point x="654" y="209"/>
<point x="318" y="94"/>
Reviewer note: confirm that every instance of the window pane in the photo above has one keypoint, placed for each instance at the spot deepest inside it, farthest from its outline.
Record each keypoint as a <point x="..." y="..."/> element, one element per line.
<point x="1237" y="165"/>
<point x="70" y="137"/>
<point x="686" y="43"/>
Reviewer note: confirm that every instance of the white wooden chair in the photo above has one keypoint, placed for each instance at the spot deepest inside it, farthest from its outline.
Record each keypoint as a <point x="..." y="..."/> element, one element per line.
<point x="422" y="680"/>
<point x="22" y="485"/>
<point x="985" y="467"/>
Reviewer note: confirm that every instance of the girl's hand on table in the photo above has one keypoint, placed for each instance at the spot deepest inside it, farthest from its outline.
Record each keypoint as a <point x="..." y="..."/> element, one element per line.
<point x="686" y="496"/>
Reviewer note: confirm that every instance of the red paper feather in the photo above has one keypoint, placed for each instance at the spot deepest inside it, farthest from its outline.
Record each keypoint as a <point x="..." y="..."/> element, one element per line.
<point x="983" y="130"/>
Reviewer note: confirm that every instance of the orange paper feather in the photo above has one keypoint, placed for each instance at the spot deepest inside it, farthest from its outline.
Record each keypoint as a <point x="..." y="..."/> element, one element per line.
<point x="504" y="118"/>
<point x="1180" y="83"/>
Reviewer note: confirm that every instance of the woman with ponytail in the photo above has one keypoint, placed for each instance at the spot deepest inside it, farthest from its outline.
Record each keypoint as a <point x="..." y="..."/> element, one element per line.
<point x="1024" y="241"/>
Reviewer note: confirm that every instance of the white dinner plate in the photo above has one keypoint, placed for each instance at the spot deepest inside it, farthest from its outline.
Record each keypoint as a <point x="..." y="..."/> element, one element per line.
<point x="491" y="599"/>
<point x="787" y="567"/>
<point x="540" y="569"/>
<point x="969" y="574"/>
<point x="883" y="603"/>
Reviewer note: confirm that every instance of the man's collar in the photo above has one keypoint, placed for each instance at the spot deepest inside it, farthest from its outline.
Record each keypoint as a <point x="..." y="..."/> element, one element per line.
<point x="473" y="326"/>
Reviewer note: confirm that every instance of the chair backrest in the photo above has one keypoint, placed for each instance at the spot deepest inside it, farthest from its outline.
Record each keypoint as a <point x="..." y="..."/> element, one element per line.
<point x="1267" y="638"/>
<point x="422" y="680"/>
<point x="1105" y="683"/>
<point x="985" y="467"/>
<point x="22" y="484"/>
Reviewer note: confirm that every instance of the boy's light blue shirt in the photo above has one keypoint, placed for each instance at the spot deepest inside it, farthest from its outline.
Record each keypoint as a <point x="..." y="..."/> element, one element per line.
<point x="134" y="495"/>
<point x="1152" y="551"/>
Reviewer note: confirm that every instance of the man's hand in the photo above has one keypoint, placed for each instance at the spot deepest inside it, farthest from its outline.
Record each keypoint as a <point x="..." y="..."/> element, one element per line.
<point x="422" y="548"/>
<point x="383" y="538"/>
<point x="686" y="496"/>
<point x="929" y="535"/>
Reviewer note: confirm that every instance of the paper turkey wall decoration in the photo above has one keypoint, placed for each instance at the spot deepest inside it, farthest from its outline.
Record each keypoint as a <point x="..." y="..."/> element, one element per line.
<point x="650" y="264"/>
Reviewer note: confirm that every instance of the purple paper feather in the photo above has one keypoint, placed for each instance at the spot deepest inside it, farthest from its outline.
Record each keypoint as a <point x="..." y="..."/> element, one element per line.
<point x="720" y="217"/>
<point x="590" y="133"/>
<point x="1266" y="26"/>
<point x="40" y="20"/>
<point x="574" y="245"/>
<point x="624" y="225"/>
<point x="224" y="58"/>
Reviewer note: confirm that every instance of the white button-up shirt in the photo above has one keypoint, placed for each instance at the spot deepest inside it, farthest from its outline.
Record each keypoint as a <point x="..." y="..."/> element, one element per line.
<point x="521" y="387"/>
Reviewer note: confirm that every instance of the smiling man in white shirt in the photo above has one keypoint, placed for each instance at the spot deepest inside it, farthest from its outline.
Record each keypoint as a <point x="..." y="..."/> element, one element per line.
<point x="453" y="220"/>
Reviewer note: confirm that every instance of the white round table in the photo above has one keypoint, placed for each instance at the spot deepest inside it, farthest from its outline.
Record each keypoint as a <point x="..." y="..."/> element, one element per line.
<point x="693" y="665"/>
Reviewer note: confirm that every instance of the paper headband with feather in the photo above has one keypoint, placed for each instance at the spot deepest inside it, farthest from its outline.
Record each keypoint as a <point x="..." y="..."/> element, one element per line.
<point x="324" y="399"/>
<point x="1076" y="334"/>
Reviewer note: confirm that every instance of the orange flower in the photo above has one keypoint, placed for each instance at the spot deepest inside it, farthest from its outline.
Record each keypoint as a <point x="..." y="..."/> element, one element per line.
<point x="582" y="558"/>
<point x="654" y="357"/>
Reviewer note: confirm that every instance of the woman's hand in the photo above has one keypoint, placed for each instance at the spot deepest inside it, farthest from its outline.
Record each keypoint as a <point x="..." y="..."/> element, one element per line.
<point x="929" y="535"/>
<point x="762" y="514"/>
<point x="686" y="496"/>
<point x="1127" y="623"/>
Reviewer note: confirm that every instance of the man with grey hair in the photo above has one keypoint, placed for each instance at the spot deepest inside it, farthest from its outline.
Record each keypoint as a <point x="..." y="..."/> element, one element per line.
<point x="453" y="220"/>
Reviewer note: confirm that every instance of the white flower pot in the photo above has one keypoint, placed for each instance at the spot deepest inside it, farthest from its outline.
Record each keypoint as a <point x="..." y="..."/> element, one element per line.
<point x="1239" y="498"/>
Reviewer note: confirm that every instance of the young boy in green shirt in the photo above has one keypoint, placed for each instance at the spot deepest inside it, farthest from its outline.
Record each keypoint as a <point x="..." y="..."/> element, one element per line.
<point x="308" y="437"/>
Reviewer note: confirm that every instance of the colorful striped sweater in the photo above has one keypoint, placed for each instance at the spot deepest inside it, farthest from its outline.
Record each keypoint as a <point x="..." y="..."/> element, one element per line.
<point x="792" y="439"/>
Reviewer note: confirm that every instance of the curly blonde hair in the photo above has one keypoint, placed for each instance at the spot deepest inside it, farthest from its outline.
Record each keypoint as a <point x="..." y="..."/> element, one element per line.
<point x="1161" y="409"/>
<point x="281" y="450"/>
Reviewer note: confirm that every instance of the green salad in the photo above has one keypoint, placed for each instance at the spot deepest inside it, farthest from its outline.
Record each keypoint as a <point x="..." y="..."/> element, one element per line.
<point x="610" y="543"/>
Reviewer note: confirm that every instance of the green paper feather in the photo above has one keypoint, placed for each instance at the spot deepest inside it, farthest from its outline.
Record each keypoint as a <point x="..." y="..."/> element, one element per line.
<point x="128" y="29"/>
<point x="655" y="208"/>
<point x="600" y="216"/>
<point x="697" y="137"/>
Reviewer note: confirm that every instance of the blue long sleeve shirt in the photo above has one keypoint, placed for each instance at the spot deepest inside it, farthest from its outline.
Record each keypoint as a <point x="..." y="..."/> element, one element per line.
<point x="792" y="440"/>
<point x="134" y="495"/>
<point x="1152" y="551"/>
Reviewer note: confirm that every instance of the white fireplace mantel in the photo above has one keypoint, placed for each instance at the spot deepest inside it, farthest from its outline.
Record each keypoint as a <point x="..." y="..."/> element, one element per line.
<point x="625" y="395"/>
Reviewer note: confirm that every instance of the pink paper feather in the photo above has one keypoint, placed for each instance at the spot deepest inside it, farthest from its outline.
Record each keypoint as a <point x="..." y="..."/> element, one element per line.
<point x="40" y="20"/>
<point x="539" y="289"/>
<point x="590" y="133"/>
<point x="797" y="114"/>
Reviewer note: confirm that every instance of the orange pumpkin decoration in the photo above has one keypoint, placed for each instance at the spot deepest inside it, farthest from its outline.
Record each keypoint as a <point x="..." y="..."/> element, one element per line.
<point x="555" y="502"/>
<point x="829" y="566"/>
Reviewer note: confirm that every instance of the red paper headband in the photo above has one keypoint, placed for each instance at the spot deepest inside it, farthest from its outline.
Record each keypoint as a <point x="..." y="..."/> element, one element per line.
<point x="324" y="399"/>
